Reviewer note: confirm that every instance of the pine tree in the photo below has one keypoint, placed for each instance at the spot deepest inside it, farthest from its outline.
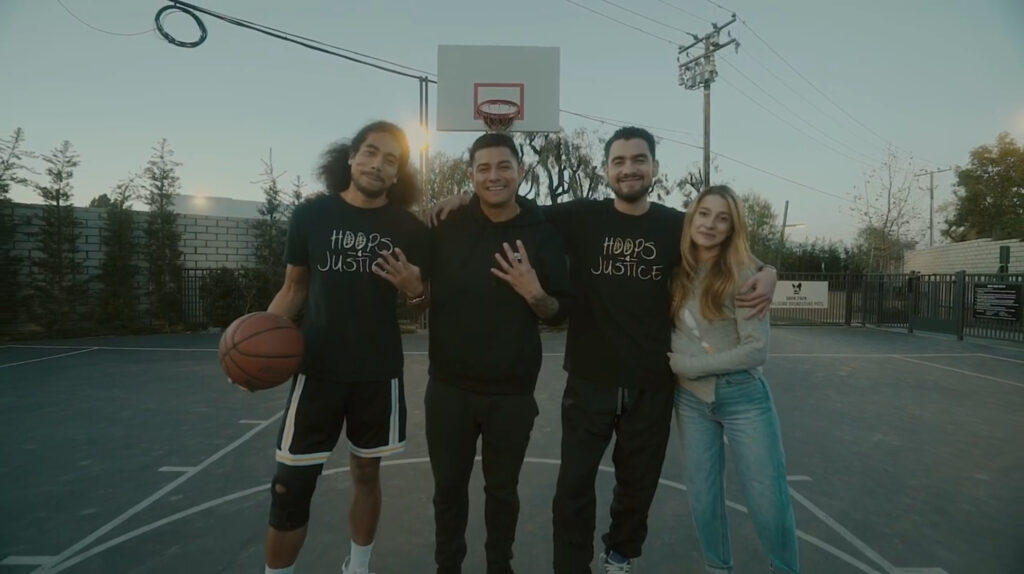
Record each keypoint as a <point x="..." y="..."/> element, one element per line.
<point x="57" y="281"/>
<point x="117" y="306"/>
<point x="163" y="253"/>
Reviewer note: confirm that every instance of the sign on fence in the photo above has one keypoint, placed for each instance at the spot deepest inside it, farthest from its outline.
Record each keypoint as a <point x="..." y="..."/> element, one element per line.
<point x="801" y="295"/>
<point x="997" y="301"/>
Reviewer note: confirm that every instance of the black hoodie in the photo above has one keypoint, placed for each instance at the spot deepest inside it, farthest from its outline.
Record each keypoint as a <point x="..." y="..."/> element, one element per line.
<point x="484" y="336"/>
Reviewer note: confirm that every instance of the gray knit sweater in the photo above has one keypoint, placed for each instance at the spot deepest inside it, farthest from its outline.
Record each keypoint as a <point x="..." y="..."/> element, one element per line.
<point x="702" y="349"/>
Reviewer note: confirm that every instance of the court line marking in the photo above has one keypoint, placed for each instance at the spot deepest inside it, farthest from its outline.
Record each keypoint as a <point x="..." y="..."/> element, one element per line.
<point x="48" y="358"/>
<point x="1001" y="358"/>
<point x="961" y="371"/>
<point x="176" y="469"/>
<point x="151" y="499"/>
<point x="26" y="560"/>
<point x="204" y="350"/>
<point x="857" y="542"/>
<point x="798" y="478"/>
<point x="250" y="422"/>
<point x="263" y="488"/>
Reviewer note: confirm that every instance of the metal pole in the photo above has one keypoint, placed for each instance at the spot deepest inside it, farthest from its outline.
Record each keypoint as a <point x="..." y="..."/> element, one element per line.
<point x="931" y="209"/>
<point x="707" y="116"/>
<point x="782" y="239"/>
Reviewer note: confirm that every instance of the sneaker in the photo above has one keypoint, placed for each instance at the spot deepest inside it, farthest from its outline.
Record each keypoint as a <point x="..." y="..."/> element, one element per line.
<point x="345" y="569"/>
<point x="614" y="568"/>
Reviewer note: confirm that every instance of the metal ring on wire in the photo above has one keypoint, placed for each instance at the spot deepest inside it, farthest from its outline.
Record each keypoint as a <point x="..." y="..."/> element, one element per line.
<point x="162" y="13"/>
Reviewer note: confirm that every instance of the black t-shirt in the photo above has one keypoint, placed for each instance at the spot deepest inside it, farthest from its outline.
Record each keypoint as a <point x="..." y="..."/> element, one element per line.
<point x="350" y="323"/>
<point x="621" y="268"/>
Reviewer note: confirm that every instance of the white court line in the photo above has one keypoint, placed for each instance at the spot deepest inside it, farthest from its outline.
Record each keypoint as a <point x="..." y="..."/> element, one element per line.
<point x="798" y="478"/>
<point x="48" y="358"/>
<point x="26" y="560"/>
<point x="828" y="355"/>
<point x="249" y="422"/>
<point x="963" y="372"/>
<point x="176" y="469"/>
<point x="152" y="498"/>
<point x="243" y="493"/>
<point x="204" y="350"/>
<point x="886" y="566"/>
<point x="1000" y="358"/>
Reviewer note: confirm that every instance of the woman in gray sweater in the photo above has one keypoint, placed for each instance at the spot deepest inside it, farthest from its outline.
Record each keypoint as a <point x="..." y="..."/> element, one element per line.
<point x="717" y="356"/>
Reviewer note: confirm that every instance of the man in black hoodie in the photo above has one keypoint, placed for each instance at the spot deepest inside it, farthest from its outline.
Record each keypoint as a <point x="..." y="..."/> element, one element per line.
<point x="499" y="268"/>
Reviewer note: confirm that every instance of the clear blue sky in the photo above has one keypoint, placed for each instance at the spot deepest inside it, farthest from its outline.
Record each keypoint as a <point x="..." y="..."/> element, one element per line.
<point x="935" y="77"/>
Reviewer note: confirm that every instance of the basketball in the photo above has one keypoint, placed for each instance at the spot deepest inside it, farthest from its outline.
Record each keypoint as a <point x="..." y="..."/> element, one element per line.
<point x="260" y="350"/>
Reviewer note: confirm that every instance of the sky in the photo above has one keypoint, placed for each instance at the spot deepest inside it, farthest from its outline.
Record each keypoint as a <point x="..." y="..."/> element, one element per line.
<point x="934" y="78"/>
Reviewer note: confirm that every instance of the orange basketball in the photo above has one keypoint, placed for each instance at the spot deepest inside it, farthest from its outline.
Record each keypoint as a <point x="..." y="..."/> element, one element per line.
<point x="260" y="350"/>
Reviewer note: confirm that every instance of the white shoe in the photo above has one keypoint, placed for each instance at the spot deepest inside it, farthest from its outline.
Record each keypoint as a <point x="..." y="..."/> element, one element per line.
<point x="345" y="569"/>
<point x="613" y="568"/>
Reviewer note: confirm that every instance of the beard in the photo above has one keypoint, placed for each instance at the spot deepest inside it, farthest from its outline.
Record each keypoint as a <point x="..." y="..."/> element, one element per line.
<point x="370" y="189"/>
<point x="632" y="196"/>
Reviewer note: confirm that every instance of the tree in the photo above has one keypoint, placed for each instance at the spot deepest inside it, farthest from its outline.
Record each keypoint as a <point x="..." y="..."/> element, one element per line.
<point x="989" y="193"/>
<point x="447" y="175"/>
<point x="57" y="286"/>
<point x="561" y="166"/>
<point x="163" y="255"/>
<point x="101" y="201"/>
<point x="890" y="221"/>
<point x="117" y="274"/>
<point x="297" y="194"/>
<point x="763" y="229"/>
<point x="271" y="233"/>
<point x="12" y="156"/>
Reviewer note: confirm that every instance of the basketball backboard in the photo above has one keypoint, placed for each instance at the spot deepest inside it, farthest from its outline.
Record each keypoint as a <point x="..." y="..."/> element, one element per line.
<point x="468" y="76"/>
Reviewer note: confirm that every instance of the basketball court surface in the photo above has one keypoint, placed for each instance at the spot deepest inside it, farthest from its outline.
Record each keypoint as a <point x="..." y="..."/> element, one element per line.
<point x="134" y="455"/>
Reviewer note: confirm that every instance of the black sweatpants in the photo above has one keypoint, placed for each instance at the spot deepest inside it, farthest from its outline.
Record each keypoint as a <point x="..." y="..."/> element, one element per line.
<point x="456" y="418"/>
<point x="591" y="413"/>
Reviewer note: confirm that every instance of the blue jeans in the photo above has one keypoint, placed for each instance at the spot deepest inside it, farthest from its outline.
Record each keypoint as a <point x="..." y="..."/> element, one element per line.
<point x="743" y="411"/>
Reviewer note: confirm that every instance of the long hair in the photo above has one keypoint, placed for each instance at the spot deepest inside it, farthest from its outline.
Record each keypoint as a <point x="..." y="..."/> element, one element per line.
<point x="720" y="279"/>
<point x="336" y="174"/>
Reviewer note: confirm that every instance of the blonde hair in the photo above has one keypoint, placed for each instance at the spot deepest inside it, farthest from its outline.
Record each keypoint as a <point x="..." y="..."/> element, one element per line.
<point x="722" y="275"/>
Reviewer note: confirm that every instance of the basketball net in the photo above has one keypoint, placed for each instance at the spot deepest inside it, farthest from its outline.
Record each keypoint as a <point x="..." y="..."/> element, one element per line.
<point x="498" y="115"/>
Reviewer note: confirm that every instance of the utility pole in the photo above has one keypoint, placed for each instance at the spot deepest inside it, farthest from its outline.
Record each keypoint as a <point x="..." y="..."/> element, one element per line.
<point x="931" y="201"/>
<point x="782" y="239"/>
<point x="698" y="72"/>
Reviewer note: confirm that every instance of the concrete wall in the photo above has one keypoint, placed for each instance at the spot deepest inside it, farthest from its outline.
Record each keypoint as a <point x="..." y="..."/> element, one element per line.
<point x="206" y="241"/>
<point x="978" y="256"/>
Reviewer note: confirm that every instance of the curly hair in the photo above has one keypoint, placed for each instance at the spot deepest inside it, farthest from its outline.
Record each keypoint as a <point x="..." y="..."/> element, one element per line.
<point x="336" y="173"/>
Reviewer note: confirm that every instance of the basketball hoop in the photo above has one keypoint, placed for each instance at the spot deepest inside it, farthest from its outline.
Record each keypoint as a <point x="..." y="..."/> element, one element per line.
<point x="498" y="115"/>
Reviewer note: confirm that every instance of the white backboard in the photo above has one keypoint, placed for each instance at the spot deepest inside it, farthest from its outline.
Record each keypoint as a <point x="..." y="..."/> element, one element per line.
<point x="469" y="75"/>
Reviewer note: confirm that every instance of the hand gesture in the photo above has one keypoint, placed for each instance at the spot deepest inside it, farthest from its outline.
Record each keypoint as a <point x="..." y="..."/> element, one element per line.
<point x="397" y="270"/>
<point x="515" y="269"/>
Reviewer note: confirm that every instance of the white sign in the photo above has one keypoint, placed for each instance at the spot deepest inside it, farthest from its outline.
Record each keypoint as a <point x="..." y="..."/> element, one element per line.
<point x="801" y="295"/>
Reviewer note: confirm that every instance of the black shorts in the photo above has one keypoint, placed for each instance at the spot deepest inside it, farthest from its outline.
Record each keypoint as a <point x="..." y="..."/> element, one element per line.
<point x="372" y="412"/>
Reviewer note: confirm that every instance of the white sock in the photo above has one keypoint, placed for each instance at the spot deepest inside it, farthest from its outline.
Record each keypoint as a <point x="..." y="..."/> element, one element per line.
<point x="359" y="559"/>
<point x="285" y="570"/>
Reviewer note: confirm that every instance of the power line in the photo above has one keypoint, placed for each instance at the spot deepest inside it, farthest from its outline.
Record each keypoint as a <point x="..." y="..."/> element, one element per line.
<point x="75" y="16"/>
<point x="808" y="101"/>
<point x="717" y="5"/>
<point x="641" y="30"/>
<point x="620" y="123"/>
<point x="819" y="90"/>
<point x="649" y="19"/>
<point x="790" y="124"/>
<point x="732" y="159"/>
<point x="798" y="116"/>
<point x="687" y="12"/>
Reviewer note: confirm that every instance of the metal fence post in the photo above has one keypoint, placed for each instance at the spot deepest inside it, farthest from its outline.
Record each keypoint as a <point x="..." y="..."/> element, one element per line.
<point x="960" y="303"/>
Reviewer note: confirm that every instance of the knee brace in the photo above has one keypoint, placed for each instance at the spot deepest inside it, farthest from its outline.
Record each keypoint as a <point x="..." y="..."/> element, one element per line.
<point x="291" y="493"/>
